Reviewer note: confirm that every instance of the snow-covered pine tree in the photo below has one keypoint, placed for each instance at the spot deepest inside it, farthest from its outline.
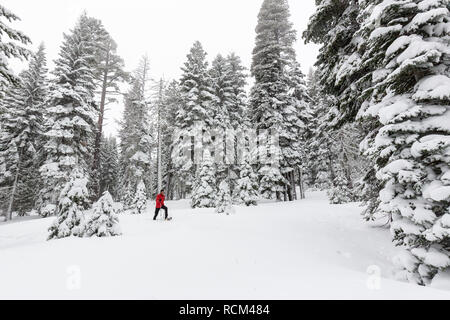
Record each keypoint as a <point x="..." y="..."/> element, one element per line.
<point x="312" y="169"/>
<point x="140" y="199"/>
<point x="72" y="202"/>
<point x="333" y="154"/>
<point x="371" y="59"/>
<point x="109" y="167"/>
<point x="11" y="46"/>
<point x="104" y="221"/>
<point x="297" y="116"/>
<point x="20" y="140"/>
<point x="349" y="162"/>
<point x="135" y="138"/>
<point x="127" y="194"/>
<point x="220" y="74"/>
<point x="197" y="109"/>
<point x="204" y="189"/>
<point x="271" y="183"/>
<point x="172" y="102"/>
<point x="71" y="113"/>
<point x="230" y="107"/>
<point x="9" y="175"/>
<point x="319" y="138"/>
<point x="196" y="89"/>
<point x="411" y="98"/>
<point x="224" y="203"/>
<point x="246" y="190"/>
<point x="370" y="186"/>
<point x="270" y="100"/>
<point x="340" y="193"/>
<point x="345" y="66"/>
<point x="237" y="109"/>
<point x="324" y="141"/>
<point x="344" y="69"/>
<point x="237" y="96"/>
<point x="333" y="26"/>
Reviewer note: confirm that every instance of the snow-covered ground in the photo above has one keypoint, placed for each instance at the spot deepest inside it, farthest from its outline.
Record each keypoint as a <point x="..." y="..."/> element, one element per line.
<point x="302" y="250"/>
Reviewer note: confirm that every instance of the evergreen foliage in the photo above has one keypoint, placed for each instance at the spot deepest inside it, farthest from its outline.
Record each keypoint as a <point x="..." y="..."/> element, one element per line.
<point x="72" y="202"/>
<point x="104" y="221"/>
<point x="71" y="110"/>
<point x="140" y="199"/>
<point x="21" y="135"/>
<point x="205" y="189"/>
<point x="136" y="141"/>
<point x="12" y="44"/>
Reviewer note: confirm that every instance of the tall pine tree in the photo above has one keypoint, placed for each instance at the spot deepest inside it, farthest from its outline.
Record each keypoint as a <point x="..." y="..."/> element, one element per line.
<point x="271" y="106"/>
<point x="172" y="101"/>
<point x="70" y="126"/>
<point x="197" y="110"/>
<point x="136" y="142"/>
<point x="296" y="119"/>
<point x="410" y="97"/>
<point x="21" y="141"/>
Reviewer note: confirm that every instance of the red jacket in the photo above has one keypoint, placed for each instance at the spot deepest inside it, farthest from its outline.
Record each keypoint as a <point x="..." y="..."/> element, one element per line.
<point x="160" y="201"/>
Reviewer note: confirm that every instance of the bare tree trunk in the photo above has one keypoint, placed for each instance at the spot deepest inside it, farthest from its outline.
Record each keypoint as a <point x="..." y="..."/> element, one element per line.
<point x="289" y="190"/>
<point x="99" y="134"/>
<point x="169" y="186"/>
<point x="300" y="183"/>
<point x="286" y="190"/>
<point x="182" y="190"/>
<point x="278" y="195"/>
<point x="151" y="186"/>
<point x="13" y="193"/>
<point x="292" y="181"/>
<point x="330" y="168"/>
<point x="170" y="180"/>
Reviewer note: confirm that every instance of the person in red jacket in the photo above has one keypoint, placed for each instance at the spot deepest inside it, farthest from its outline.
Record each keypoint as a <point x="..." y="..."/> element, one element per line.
<point x="160" y="205"/>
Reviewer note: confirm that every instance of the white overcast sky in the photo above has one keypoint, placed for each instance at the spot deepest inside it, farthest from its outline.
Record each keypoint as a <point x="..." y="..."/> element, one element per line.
<point x="163" y="29"/>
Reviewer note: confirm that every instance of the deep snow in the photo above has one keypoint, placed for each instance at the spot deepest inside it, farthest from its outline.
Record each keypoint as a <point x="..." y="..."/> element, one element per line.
<point x="303" y="250"/>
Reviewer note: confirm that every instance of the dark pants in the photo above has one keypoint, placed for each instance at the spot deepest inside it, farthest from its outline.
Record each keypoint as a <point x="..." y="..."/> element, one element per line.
<point x="157" y="212"/>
